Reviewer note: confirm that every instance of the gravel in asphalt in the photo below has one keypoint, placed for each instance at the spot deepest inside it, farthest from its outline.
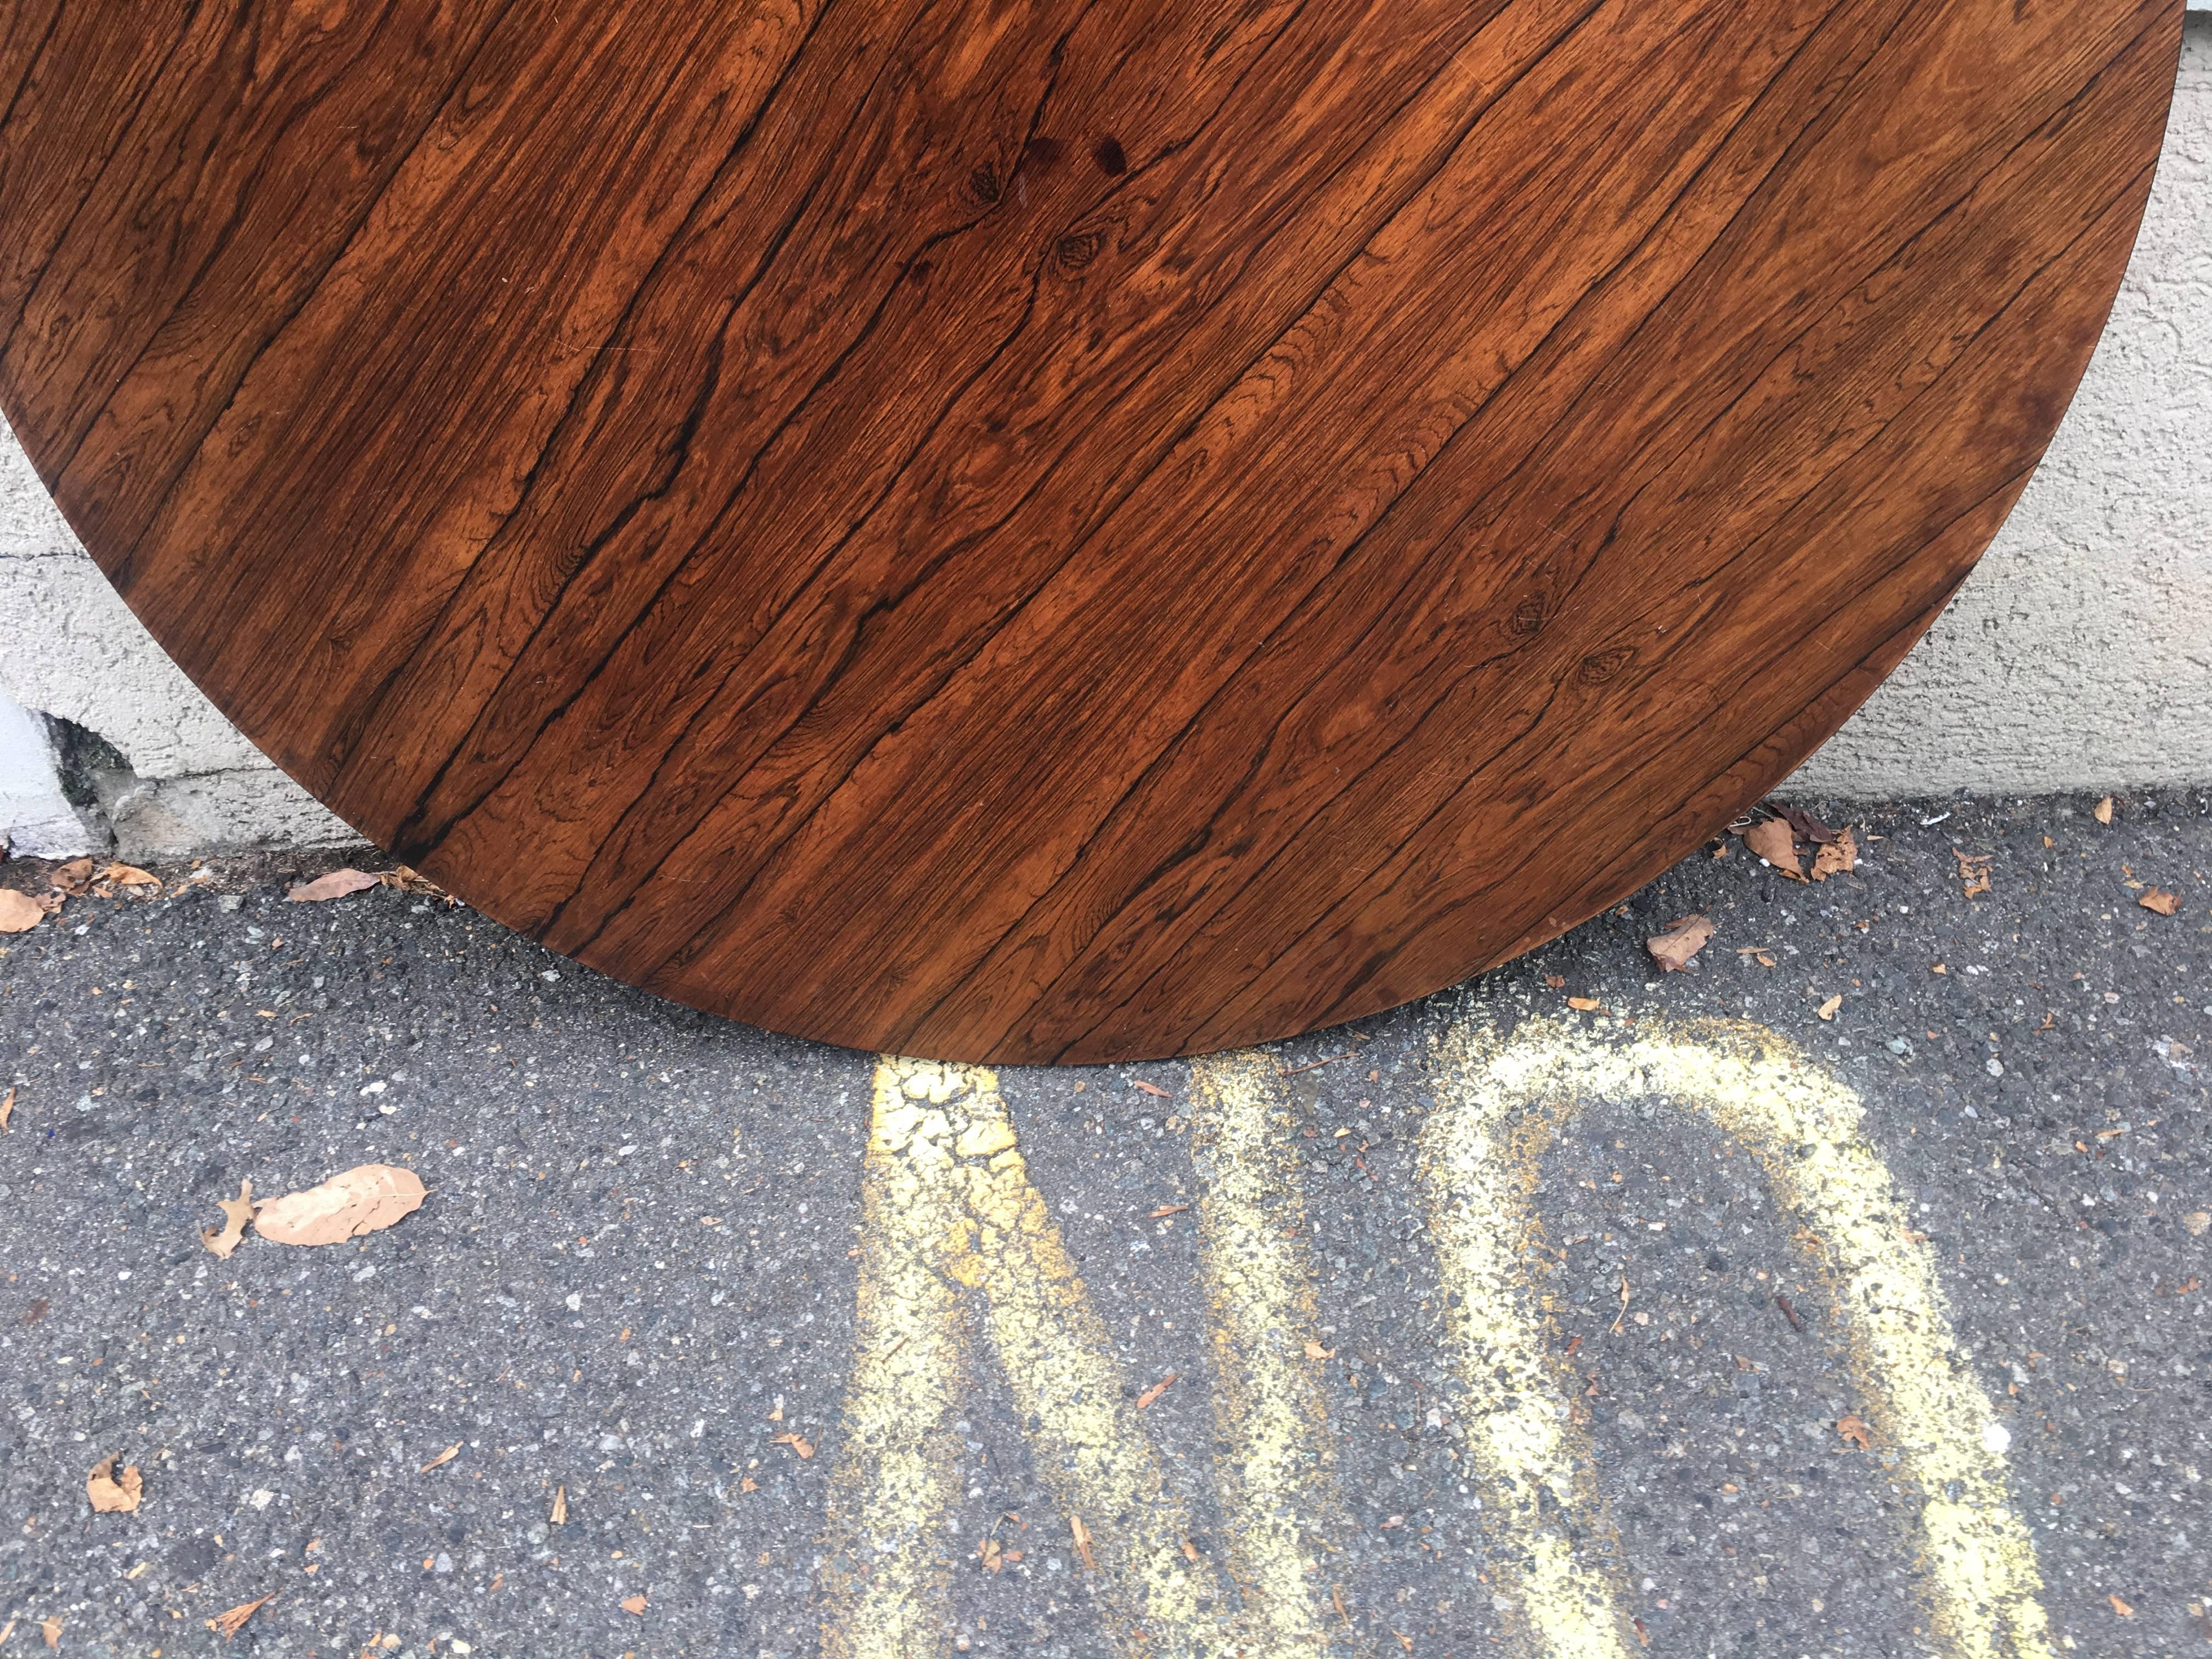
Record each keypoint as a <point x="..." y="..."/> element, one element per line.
<point x="636" y="1287"/>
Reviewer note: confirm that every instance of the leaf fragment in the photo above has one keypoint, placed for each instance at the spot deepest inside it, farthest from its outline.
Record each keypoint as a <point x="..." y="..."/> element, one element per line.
<point x="237" y="1211"/>
<point x="130" y="875"/>
<point x="1314" y="1350"/>
<point x="1854" y="1429"/>
<point x="111" y="1494"/>
<point x="440" y="1460"/>
<point x="2103" y="813"/>
<point x="2121" y="1608"/>
<point x="1838" y="858"/>
<point x="1585" y="1005"/>
<point x="798" y="1443"/>
<point x="1145" y="1398"/>
<point x="228" y="1623"/>
<point x="366" y="1199"/>
<point x="51" y="1628"/>
<point x="559" y="1516"/>
<point x="2158" y="900"/>
<point x="1154" y="1089"/>
<point x="634" y="1604"/>
<point x="1082" y="1536"/>
<point x="7" y="1110"/>
<point x="1827" y="1010"/>
<point x="1674" y="949"/>
<point x="337" y="885"/>
<point x="19" y="911"/>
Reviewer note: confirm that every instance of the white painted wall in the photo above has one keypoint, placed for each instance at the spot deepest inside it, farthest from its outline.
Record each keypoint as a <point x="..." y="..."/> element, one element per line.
<point x="2078" y="657"/>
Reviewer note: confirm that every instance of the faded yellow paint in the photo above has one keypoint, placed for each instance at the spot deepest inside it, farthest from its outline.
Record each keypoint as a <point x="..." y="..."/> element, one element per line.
<point x="1506" y="1096"/>
<point x="1270" y="1414"/>
<point x="948" y="1201"/>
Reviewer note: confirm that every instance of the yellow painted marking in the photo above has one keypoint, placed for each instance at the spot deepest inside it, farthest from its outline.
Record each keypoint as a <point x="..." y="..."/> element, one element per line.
<point x="948" y="1201"/>
<point x="1507" y="1097"/>
<point x="1270" y="1412"/>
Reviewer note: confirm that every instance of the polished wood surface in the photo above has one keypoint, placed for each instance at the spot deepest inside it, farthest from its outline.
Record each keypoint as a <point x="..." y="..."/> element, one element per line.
<point x="1052" y="531"/>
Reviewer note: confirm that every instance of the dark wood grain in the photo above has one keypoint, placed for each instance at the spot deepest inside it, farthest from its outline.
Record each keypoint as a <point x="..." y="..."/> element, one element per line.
<point x="1054" y="531"/>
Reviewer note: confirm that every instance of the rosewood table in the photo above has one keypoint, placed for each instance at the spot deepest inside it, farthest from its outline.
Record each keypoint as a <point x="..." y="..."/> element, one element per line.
<point x="1052" y="531"/>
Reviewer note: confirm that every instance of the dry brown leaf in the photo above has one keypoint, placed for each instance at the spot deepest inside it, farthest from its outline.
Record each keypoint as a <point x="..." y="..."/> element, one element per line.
<point x="990" y="1555"/>
<point x="634" y="1604"/>
<point x="113" y="1494"/>
<point x="237" y="1211"/>
<point x="1584" y="1004"/>
<point x="51" y="1630"/>
<point x="1855" y="1430"/>
<point x="6" y="1630"/>
<point x="1314" y="1350"/>
<point x="798" y="1443"/>
<point x="7" y="1110"/>
<point x="1827" y="1010"/>
<point x="228" y="1623"/>
<point x="129" y="875"/>
<point x="337" y="885"/>
<point x="559" y="1516"/>
<point x="413" y="881"/>
<point x="18" y="912"/>
<point x="1673" y="949"/>
<point x="1557" y="982"/>
<point x="2160" y="900"/>
<point x="1974" y="870"/>
<point x="73" y="876"/>
<point x="2104" y="811"/>
<point x="2121" y="1608"/>
<point x="1838" y="858"/>
<point x="1770" y="839"/>
<point x="747" y="1483"/>
<point x="1167" y="1209"/>
<point x="1145" y="1398"/>
<point x="1082" y="1535"/>
<point x="364" y="1200"/>
<point x="440" y="1460"/>
<point x="1154" y="1089"/>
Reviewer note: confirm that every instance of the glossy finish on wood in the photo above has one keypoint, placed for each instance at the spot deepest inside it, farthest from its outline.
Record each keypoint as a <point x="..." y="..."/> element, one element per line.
<point x="1052" y="531"/>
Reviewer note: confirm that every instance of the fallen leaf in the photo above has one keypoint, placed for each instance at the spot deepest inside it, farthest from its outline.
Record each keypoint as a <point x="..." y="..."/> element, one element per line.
<point x="1395" y="1521"/>
<point x="1827" y="1010"/>
<point x="440" y="1460"/>
<point x="1557" y="982"/>
<point x="2159" y="899"/>
<point x="1154" y="1089"/>
<point x="1770" y="839"/>
<point x="7" y="1110"/>
<point x="129" y="875"/>
<point x="1584" y="1004"/>
<point x="2121" y="1608"/>
<point x="228" y="1623"/>
<point x="1167" y="1209"/>
<point x="411" y="881"/>
<point x="337" y="885"/>
<point x="634" y="1604"/>
<point x="1314" y="1350"/>
<point x="1153" y="1393"/>
<point x="1189" y="1550"/>
<point x="72" y="877"/>
<point x="18" y="912"/>
<point x="2104" y="811"/>
<point x="1974" y="870"/>
<point x="559" y="1516"/>
<point x="112" y="1494"/>
<point x="364" y="1200"/>
<point x="1856" y="1431"/>
<point x="1808" y="827"/>
<point x="51" y="1630"/>
<point x="237" y="1211"/>
<point x="746" y="1483"/>
<point x="1838" y="858"/>
<point x="798" y="1443"/>
<point x="1082" y="1535"/>
<point x="990" y="1555"/>
<point x="1673" y="949"/>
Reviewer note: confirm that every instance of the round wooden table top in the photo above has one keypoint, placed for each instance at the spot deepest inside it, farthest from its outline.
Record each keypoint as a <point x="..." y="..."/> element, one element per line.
<point x="1053" y="532"/>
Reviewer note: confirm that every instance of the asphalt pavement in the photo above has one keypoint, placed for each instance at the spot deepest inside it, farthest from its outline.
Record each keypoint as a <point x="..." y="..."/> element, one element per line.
<point x="1841" y="1294"/>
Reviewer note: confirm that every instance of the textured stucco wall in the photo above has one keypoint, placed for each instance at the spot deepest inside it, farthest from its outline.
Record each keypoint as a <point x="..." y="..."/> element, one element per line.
<point x="2079" y="657"/>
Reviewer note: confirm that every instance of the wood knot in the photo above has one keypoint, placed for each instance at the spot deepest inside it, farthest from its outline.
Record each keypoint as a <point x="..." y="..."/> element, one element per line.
<point x="1601" y="666"/>
<point x="1079" y="249"/>
<point x="983" y="184"/>
<point x="1112" y="159"/>
<point x="1528" y="617"/>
